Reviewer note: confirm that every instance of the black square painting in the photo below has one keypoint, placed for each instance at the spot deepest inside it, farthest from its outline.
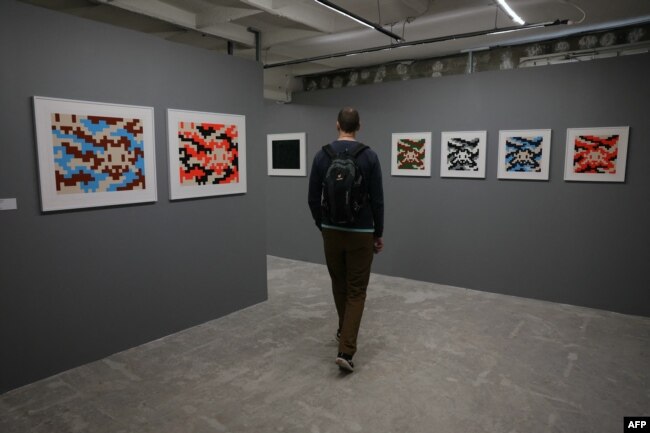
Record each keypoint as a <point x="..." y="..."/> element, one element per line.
<point x="286" y="154"/>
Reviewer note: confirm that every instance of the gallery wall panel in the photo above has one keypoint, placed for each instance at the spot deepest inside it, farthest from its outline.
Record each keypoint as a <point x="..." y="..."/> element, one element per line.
<point x="583" y="243"/>
<point x="80" y="284"/>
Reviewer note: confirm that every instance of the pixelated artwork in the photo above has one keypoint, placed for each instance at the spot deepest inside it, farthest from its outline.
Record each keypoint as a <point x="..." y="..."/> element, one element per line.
<point x="207" y="153"/>
<point x="94" y="154"/>
<point x="463" y="154"/>
<point x="596" y="154"/>
<point x="411" y="154"/>
<point x="97" y="154"/>
<point x="287" y="154"/>
<point x="524" y="154"/>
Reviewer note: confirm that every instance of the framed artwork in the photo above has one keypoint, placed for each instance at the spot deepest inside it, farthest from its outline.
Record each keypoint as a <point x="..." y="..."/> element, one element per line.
<point x="463" y="154"/>
<point x="94" y="154"/>
<point x="287" y="154"/>
<point x="207" y="154"/>
<point x="411" y="154"/>
<point x="524" y="154"/>
<point x="596" y="154"/>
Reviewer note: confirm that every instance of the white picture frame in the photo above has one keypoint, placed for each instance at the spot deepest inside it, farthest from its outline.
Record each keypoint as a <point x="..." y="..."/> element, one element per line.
<point x="463" y="154"/>
<point x="590" y="154"/>
<point x="93" y="154"/>
<point x="206" y="154"/>
<point x="524" y="154"/>
<point x="411" y="154"/>
<point x="287" y="154"/>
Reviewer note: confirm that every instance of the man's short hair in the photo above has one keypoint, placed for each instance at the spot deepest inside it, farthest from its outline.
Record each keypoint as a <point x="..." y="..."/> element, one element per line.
<point x="348" y="119"/>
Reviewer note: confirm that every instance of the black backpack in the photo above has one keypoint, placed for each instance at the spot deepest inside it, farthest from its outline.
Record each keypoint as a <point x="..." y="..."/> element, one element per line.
<point x="344" y="192"/>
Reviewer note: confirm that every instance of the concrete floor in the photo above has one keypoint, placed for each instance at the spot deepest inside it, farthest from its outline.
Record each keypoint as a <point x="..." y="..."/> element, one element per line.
<point x="431" y="359"/>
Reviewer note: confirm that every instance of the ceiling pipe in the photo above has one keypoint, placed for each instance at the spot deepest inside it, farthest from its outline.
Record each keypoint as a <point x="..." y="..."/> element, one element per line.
<point x="418" y="42"/>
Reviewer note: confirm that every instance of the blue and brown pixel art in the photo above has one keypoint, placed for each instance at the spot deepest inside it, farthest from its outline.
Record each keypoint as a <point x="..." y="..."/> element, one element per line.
<point x="524" y="154"/>
<point x="97" y="154"/>
<point x="208" y="153"/>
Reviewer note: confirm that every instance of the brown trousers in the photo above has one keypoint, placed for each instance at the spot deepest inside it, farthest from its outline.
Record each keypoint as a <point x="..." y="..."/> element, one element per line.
<point x="349" y="256"/>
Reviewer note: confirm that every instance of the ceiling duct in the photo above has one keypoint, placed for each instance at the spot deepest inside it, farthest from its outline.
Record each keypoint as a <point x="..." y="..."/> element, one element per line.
<point x="418" y="42"/>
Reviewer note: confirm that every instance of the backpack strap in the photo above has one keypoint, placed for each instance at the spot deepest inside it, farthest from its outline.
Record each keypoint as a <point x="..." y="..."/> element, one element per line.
<point x="357" y="150"/>
<point x="329" y="150"/>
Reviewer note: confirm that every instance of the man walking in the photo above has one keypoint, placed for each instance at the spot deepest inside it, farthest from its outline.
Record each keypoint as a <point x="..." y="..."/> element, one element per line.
<point x="351" y="221"/>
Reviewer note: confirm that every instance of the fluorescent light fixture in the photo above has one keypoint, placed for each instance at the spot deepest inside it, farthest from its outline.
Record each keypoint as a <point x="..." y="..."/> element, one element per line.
<point x="516" y="18"/>
<point x="346" y="13"/>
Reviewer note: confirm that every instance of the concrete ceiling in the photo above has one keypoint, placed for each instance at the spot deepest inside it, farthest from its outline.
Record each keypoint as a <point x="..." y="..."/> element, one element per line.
<point x="299" y="29"/>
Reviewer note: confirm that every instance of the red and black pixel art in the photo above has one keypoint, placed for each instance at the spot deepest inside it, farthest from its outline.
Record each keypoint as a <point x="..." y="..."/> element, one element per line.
<point x="208" y="153"/>
<point x="595" y="154"/>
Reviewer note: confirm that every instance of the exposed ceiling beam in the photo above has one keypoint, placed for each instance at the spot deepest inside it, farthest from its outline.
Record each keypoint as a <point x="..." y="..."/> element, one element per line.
<point x="230" y="32"/>
<point x="313" y="16"/>
<point x="287" y="35"/>
<point x="180" y="17"/>
<point x="458" y="36"/>
<point x="157" y="9"/>
<point x="418" y="6"/>
<point x="222" y="14"/>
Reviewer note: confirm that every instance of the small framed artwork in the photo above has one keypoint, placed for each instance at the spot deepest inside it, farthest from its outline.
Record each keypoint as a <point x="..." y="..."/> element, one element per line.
<point x="287" y="154"/>
<point x="596" y="154"/>
<point x="524" y="154"/>
<point x="207" y="154"/>
<point x="463" y="154"/>
<point x="411" y="154"/>
<point x="94" y="154"/>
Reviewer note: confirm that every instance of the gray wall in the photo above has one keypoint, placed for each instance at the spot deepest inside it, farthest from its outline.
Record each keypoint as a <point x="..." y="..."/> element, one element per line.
<point x="78" y="285"/>
<point x="578" y="243"/>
